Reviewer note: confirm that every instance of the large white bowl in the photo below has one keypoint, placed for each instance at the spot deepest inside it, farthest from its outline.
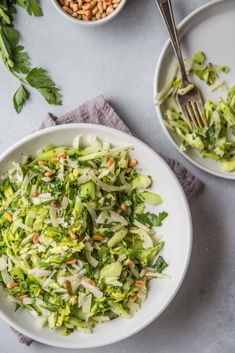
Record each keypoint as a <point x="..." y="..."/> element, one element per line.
<point x="203" y="30"/>
<point x="177" y="232"/>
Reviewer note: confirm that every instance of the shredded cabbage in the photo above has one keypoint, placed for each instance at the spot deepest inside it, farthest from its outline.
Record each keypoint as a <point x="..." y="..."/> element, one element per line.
<point x="217" y="140"/>
<point x="74" y="249"/>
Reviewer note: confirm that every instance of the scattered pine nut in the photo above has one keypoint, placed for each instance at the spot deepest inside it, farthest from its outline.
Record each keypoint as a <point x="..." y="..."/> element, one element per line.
<point x="62" y="154"/>
<point x="140" y="284"/>
<point x="132" y="162"/>
<point x="97" y="237"/>
<point x="11" y="285"/>
<point x="67" y="285"/>
<point x="54" y="159"/>
<point x="9" y="217"/>
<point x="72" y="234"/>
<point x="50" y="172"/>
<point x="36" y="237"/>
<point x="123" y="206"/>
<point x="42" y="162"/>
<point x="110" y="162"/>
<point x="133" y="298"/>
<point x="22" y="297"/>
<point x="34" y="194"/>
<point x="90" y="281"/>
<point x="128" y="262"/>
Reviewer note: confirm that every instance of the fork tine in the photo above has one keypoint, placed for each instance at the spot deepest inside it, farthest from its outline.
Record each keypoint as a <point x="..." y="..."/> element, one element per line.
<point x="186" y="116"/>
<point x="197" y="114"/>
<point x="201" y="110"/>
<point x="191" y="114"/>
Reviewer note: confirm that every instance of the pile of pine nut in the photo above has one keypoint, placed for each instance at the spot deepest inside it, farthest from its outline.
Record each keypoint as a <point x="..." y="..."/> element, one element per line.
<point x="89" y="10"/>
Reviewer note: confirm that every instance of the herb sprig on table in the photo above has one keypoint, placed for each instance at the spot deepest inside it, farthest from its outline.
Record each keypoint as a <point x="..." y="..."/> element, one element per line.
<point x="17" y="61"/>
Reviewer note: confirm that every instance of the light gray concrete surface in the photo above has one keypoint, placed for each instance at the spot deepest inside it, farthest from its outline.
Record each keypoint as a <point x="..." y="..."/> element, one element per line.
<point x="119" y="60"/>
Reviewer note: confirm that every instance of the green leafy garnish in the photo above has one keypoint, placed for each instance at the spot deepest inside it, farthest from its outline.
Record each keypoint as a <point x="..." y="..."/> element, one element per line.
<point x="160" y="264"/>
<point x="17" y="61"/>
<point x="31" y="6"/>
<point x="204" y="70"/>
<point x="152" y="219"/>
<point x="39" y="79"/>
<point x="20" y="98"/>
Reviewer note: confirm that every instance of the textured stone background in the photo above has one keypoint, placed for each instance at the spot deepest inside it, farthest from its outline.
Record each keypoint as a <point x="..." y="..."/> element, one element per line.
<point x="119" y="60"/>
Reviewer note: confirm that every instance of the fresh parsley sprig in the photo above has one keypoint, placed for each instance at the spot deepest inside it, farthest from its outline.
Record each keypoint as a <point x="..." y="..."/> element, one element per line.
<point x="17" y="61"/>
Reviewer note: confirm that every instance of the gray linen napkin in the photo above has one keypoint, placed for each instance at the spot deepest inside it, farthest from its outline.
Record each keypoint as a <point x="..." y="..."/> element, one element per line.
<point x="98" y="111"/>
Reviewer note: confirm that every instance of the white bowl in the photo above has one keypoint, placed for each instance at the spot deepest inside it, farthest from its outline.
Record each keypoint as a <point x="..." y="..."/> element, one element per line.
<point x="197" y="32"/>
<point x="176" y="231"/>
<point x="90" y="23"/>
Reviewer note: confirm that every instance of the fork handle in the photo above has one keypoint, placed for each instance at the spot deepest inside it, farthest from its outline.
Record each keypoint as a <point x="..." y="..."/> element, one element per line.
<point x="165" y="8"/>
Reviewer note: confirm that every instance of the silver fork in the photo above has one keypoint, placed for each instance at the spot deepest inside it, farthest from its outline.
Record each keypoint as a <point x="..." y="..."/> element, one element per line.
<point x="189" y="96"/>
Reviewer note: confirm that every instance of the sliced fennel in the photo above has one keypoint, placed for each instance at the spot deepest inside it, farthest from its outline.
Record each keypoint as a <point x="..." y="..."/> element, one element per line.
<point x="76" y="248"/>
<point x="217" y="141"/>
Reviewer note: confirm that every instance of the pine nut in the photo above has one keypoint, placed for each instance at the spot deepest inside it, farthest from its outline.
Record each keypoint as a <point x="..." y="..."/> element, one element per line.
<point x="22" y="297"/>
<point x="11" y="285"/>
<point x="34" y="194"/>
<point x="61" y="155"/>
<point x="67" y="285"/>
<point x="109" y="10"/>
<point x="55" y="159"/>
<point x="97" y="237"/>
<point x="98" y="15"/>
<point x="128" y="262"/>
<point x="67" y="10"/>
<point x="100" y="7"/>
<point x="133" y="298"/>
<point x="95" y="10"/>
<point x="86" y="7"/>
<point x="88" y="14"/>
<point x="132" y="162"/>
<point x="90" y="281"/>
<point x="9" y="217"/>
<point x="72" y="234"/>
<point x="123" y="206"/>
<point x="50" y="172"/>
<point x="36" y="237"/>
<point x="140" y="284"/>
<point x="110" y="162"/>
<point x="75" y="7"/>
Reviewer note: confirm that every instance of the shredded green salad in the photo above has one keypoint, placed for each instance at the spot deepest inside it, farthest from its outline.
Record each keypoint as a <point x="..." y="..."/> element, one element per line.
<point x="217" y="141"/>
<point x="77" y="246"/>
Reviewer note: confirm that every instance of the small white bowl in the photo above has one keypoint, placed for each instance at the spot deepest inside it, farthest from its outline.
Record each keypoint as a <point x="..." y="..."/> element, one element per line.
<point x="90" y="23"/>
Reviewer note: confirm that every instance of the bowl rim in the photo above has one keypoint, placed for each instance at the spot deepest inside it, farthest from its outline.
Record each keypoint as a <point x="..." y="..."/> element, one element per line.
<point x="138" y="328"/>
<point x="156" y="83"/>
<point x="90" y="23"/>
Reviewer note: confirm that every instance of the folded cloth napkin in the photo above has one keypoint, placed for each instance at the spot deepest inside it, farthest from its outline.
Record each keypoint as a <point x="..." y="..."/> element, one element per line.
<point x="98" y="111"/>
